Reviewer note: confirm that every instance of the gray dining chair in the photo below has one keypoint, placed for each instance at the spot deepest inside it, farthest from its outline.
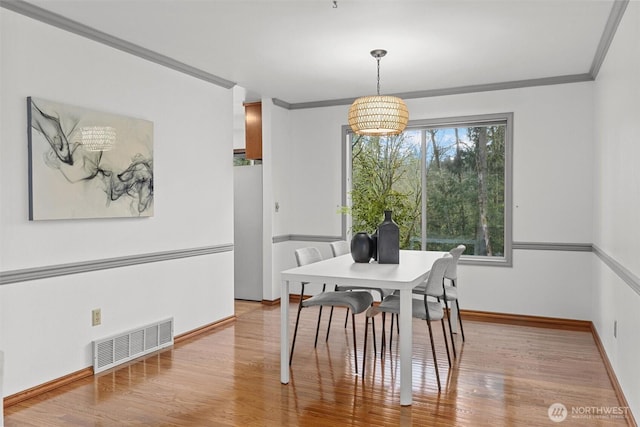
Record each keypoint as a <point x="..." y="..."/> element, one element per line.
<point x="343" y="247"/>
<point x="357" y="302"/>
<point x="448" y="293"/>
<point x="340" y="247"/>
<point x="423" y="308"/>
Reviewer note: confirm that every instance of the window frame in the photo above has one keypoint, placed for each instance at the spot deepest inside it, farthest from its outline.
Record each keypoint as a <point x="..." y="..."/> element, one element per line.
<point x="450" y="122"/>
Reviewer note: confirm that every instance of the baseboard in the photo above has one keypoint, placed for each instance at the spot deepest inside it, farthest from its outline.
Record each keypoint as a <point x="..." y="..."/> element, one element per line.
<point x="511" y="319"/>
<point x="524" y="320"/>
<point x="296" y="297"/>
<point x="87" y="372"/>
<point x="46" y="387"/>
<point x="613" y="378"/>
<point x="270" y="302"/>
<point x="204" y="329"/>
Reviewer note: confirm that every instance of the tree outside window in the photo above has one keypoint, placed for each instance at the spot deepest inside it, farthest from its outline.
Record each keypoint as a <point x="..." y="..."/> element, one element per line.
<point x="445" y="183"/>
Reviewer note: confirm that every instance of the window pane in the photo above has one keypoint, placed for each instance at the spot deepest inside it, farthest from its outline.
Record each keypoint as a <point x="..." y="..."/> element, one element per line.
<point x="463" y="176"/>
<point x="465" y="189"/>
<point x="386" y="175"/>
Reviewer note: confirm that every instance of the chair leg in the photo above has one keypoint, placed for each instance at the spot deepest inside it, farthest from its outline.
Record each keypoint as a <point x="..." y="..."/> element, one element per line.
<point x="355" y="353"/>
<point x="433" y="351"/>
<point x="329" y="325"/>
<point x="454" y="284"/>
<point x="453" y="344"/>
<point x="295" y="332"/>
<point x="446" y="344"/>
<point x="383" y="342"/>
<point x="395" y="317"/>
<point x="364" y="348"/>
<point x="391" y="332"/>
<point x="318" y="327"/>
<point x="460" y="320"/>
<point x="373" y="326"/>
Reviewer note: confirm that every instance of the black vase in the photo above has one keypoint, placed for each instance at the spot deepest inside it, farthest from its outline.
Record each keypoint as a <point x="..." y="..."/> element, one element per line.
<point x="374" y="241"/>
<point x="388" y="241"/>
<point x="361" y="247"/>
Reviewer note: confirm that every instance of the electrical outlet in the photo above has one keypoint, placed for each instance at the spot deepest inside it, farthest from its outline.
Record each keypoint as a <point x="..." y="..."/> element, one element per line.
<point x="96" y="317"/>
<point x="615" y="329"/>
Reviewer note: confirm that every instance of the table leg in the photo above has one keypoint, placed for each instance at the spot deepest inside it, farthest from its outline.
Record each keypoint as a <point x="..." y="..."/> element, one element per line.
<point x="284" y="332"/>
<point x="453" y="316"/>
<point x="406" y="350"/>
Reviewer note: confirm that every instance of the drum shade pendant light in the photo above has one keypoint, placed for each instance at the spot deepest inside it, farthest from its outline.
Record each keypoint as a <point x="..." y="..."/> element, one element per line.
<point x="377" y="114"/>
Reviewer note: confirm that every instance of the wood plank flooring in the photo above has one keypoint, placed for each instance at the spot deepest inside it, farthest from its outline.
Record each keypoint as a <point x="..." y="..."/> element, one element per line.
<point x="504" y="375"/>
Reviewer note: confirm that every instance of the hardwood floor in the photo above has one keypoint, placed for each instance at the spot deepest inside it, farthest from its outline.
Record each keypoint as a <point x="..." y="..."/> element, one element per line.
<point x="504" y="375"/>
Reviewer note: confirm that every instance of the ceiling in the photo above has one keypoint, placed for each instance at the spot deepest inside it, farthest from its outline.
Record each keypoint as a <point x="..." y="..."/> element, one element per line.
<point x="306" y="51"/>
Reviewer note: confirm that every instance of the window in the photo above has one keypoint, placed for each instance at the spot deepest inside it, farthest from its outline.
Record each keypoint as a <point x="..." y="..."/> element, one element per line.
<point x="240" y="158"/>
<point x="448" y="182"/>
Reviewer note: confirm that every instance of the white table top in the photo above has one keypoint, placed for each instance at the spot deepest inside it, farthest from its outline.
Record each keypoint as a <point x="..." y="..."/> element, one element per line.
<point x="413" y="267"/>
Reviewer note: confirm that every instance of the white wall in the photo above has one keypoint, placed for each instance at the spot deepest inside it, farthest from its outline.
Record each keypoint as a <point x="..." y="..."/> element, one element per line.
<point x="239" y="135"/>
<point x="281" y="174"/>
<point x="267" y="199"/>
<point x="45" y="328"/>
<point x="316" y="153"/>
<point x="247" y="226"/>
<point x="277" y="189"/>
<point x="553" y="155"/>
<point x="617" y="201"/>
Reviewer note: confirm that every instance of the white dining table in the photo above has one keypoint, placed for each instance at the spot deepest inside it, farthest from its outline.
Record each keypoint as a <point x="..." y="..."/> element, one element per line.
<point x="413" y="268"/>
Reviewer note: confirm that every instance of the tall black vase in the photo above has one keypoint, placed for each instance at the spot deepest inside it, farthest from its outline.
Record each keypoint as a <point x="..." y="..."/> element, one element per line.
<point x="374" y="241"/>
<point x="361" y="247"/>
<point x="388" y="241"/>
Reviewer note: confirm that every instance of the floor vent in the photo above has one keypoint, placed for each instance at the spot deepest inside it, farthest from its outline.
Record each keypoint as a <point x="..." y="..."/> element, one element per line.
<point x="120" y="348"/>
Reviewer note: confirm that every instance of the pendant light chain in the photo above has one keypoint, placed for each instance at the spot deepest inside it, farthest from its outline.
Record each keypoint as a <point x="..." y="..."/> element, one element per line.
<point x="378" y="59"/>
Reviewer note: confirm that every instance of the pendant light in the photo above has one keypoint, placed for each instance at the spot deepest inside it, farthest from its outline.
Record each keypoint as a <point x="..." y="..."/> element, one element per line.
<point x="376" y="114"/>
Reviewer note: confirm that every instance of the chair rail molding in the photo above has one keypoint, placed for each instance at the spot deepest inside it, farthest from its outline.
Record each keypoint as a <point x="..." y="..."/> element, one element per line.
<point x="625" y="274"/>
<point x="27" y="274"/>
<point x="552" y="246"/>
<point x="305" y="238"/>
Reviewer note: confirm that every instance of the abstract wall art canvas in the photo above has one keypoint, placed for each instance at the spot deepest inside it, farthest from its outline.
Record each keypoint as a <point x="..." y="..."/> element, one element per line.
<point x="88" y="164"/>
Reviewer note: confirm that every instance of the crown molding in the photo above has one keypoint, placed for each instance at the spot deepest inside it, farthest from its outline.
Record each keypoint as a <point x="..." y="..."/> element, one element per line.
<point x="43" y="15"/>
<point x="59" y="21"/>
<point x="615" y="16"/>
<point x="545" y="81"/>
<point x="617" y="11"/>
<point x="281" y="103"/>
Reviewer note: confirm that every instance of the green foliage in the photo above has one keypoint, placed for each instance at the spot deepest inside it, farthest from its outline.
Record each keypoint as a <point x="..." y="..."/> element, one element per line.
<point x="384" y="177"/>
<point x="386" y="174"/>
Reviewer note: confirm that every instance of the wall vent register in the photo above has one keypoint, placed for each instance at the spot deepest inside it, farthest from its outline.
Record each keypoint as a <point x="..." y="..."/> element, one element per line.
<point x="117" y="349"/>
